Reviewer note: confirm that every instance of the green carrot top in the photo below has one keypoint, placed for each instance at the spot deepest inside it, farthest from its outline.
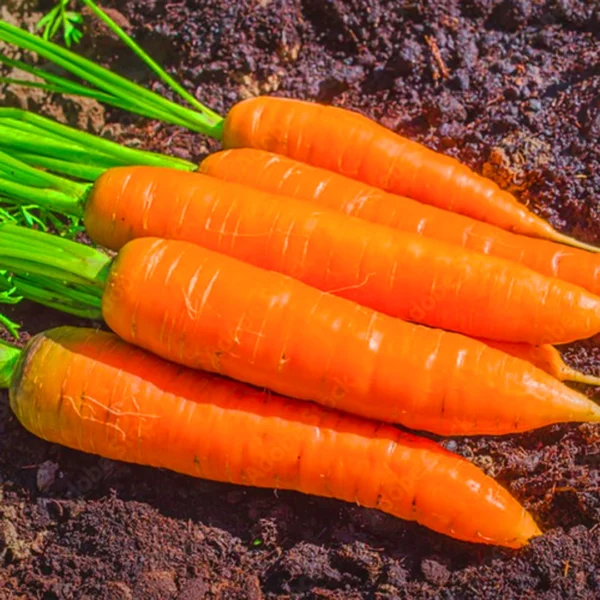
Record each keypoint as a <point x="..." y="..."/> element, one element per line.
<point x="53" y="271"/>
<point x="26" y="134"/>
<point x="106" y="86"/>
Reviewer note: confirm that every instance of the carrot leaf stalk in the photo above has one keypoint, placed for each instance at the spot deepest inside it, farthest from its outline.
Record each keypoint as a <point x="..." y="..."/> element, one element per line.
<point x="58" y="202"/>
<point x="50" y="199"/>
<point x="12" y="167"/>
<point x="66" y="297"/>
<point x="64" y="167"/>
<point x="53" y="271"/>
<point x="150" y="62"/>
<point x="25" y="131"/>
<point x="32" y="215"/>
<point x="111" y="88"/>
<point x="41" y="254"/>
<point x="60" y="85"/>
<point x="37" y="198"/>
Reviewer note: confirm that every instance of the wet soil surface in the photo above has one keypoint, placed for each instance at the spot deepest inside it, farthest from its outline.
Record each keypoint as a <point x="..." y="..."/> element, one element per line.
<point x="511" y="87"/>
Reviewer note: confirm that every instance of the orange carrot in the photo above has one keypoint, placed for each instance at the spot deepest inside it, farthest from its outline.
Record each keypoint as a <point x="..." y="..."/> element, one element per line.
<point x="209" y="311"/>
<point x="350" y="144"/>
<point x="398" y="273"/>
<point x="90" y="391"/>
<point x="547" y="358"/>
<point x="278" y="174"/>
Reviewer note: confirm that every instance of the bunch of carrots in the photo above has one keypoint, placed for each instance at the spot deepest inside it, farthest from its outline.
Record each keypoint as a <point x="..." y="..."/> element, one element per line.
<point x="279" y="310"/>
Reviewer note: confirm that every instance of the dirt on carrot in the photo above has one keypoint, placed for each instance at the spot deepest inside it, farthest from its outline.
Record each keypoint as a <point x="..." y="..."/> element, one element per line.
<point x="74" y="526"/>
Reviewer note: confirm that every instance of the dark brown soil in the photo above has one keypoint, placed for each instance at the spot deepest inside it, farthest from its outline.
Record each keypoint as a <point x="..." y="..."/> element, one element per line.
<point x="511" y="87"/>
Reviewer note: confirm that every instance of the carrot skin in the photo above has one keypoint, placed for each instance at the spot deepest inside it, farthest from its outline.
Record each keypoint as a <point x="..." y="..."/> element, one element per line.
<point x="88" y="390"/>
<point x="349" y="143"/>
<point x="211" y="312"/>
<point x="400" y="274"/>
<point x="277" y="174"/>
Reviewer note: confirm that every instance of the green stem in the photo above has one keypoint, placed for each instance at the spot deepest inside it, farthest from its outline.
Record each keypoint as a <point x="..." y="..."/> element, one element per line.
<point x="51" y="294"/>
<point x="174" y="85"/>
<point x="15" y="167"/>
<point x="42" y="263"/>
<point x="67" y="86"/>
<point x="82" y="91"/>
<point x="79" y="171"/>
<point x="23" y="184"/>
<point x="77" y="294"/>
<point x="21" y="140"/>
<point x="109" y="82"/>
<point x="45" y="198"/>
<point x="8" y="296"/>
<point x="9" y="355"/>
<point x="15" y="118"/>
<point x="47" y="292"/>
<point x="43" y="252"/>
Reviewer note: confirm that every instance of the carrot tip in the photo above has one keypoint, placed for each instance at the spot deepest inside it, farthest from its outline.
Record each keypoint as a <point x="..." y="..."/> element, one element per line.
<point x="569" y="241"/>
<point x="526" y="530"/>
<point x="578" y="377"/>
<point x="529" y="530"/>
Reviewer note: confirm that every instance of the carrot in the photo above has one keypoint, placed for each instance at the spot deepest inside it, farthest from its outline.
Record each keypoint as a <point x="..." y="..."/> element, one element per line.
<point x="278" y="174"/>
<point x="350" y="144"/>
<point x="547" y="358"/>
<point x="398" y="273"/>
<point x="211" y="312"/>
<point x="333" y="138"/>
<point x="90" y="391"/>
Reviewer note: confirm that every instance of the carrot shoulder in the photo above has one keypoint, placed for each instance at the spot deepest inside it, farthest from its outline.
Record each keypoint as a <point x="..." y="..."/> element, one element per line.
<point x="278" y="174"/>
<point x="349" y="143"/>
<point x="90" y="391"/>
<point x="400" y="274"/>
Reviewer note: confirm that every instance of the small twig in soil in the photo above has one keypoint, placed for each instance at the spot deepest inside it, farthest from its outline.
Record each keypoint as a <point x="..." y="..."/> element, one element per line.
<point x="440" y="65"/>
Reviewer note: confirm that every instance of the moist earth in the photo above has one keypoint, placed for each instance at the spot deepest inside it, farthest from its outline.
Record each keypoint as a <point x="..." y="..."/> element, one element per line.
<point x="510" y="87"/>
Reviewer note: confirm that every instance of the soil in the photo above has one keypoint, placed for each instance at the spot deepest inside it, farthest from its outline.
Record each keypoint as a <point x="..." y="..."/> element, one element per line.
<point x="512" y="88"/>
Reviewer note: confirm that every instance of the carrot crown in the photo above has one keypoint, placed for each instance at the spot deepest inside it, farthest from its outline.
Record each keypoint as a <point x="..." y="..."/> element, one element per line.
<point x="53" y="271"/>
<point x="106" y="86"/>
